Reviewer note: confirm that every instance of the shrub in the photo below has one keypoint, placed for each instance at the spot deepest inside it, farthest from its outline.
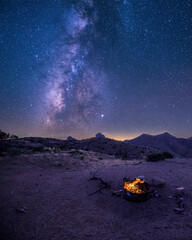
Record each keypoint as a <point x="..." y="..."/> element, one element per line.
<point x="14" y="152"/>
<point x="4" y="135"/>
<point x="37" y="149"/>
<point x="167" y="155"/>
<point x="63" y="148"/>
<point x="154" y="157"/>
<point x="76" y="152"/>
<point x="100" y="158"/>
<point x="14" y="136"/>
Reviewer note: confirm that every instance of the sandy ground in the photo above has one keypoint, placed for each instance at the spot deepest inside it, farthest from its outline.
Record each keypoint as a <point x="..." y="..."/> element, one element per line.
<point x="53" y="190"/>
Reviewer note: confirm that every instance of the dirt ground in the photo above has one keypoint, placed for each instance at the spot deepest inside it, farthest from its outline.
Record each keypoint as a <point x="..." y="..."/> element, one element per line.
<point x="46" y="196"/>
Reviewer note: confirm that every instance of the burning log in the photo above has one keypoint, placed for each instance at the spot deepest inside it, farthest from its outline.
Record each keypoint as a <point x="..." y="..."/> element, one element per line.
<point x="137" y="190"/>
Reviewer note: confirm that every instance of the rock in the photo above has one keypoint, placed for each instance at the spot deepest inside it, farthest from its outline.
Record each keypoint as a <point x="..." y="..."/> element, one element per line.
<point x="60" y="165"/>
<point x="179" y="210"/>
<point x="180" y="202"/>
<point x="141" y="177"/>
<point x="117" y="193"/>
<point x="155" y="194"/>
<point x="158" y="182"/>
<point x="99" y="135"/>
<point x="181" y="199"/>
<point x="179" y="191"/>
<point x="21" y="209"/>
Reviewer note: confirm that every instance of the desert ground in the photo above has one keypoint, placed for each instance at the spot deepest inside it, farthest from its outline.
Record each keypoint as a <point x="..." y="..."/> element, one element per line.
<point x="47" y="196"/>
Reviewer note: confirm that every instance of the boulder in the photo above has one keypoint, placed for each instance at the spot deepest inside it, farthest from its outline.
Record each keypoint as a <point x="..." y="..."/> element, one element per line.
<point x="158" y="182"/>
<point x="179" y="191"/>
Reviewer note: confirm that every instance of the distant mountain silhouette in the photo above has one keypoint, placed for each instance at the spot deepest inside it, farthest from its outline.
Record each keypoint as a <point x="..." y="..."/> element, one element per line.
<point x="180" y="147"/>
<point x="114" y="147"/>
<point x="136" y="148"/>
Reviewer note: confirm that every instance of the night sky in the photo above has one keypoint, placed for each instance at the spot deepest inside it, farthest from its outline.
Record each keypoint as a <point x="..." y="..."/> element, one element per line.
<point x="120" y="67"/>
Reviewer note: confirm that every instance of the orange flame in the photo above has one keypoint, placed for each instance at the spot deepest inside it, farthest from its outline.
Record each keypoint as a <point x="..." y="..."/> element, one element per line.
<point x="136" y="186"/>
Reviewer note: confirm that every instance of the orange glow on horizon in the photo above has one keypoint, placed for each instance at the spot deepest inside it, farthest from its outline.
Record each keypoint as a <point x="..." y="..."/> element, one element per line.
<point x="122" y="137"/>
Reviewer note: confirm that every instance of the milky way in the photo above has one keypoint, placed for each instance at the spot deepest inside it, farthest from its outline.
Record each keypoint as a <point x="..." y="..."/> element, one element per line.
<point x="75" y="95"/>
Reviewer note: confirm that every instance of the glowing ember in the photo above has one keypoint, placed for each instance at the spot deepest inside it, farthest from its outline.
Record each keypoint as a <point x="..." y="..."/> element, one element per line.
<point x="136" y="186"/>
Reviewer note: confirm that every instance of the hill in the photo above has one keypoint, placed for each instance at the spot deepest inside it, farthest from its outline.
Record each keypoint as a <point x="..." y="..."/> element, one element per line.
<point x="180" y="147"/>
<point x="102" y="145"/>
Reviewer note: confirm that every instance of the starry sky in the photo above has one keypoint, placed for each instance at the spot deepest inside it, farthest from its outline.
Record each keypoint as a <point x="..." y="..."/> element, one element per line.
<point x="120" y="67"/>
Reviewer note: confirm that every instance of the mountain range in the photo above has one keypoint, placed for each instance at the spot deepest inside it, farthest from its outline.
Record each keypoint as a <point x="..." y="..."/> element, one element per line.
<point x="179" y="147"/>
<point x="136" y="148"/>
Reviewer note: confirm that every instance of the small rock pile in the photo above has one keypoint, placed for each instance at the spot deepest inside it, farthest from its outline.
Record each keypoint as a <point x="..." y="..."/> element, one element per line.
<point x="179" y="200"/>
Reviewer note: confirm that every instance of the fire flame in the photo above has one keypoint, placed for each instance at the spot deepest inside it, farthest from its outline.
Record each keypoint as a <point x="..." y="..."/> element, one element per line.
<point x="136" y="186"/>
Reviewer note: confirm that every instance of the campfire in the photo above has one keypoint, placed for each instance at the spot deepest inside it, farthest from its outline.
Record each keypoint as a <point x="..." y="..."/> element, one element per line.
<point x="137" y="186"/>
<point x="136" y="190"/>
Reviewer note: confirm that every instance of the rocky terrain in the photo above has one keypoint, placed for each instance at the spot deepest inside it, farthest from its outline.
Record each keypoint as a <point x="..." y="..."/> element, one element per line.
<point x="137" y="148"/>
<point x="180" y="147"/>
<point x="73" y="189"/>
<point x="102" y="145"/>
<point x="54" y="195"/>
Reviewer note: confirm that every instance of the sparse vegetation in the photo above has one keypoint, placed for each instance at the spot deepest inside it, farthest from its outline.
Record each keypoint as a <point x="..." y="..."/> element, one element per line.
<point x="15" y="152"/>
<point x="4" y="135"/>
<point x="155" y="157"/>
<point x="37" y="149"/>
<point x="167" y="155"/>
<point x="62" y="148"/>
<point x="76" y="152"/>
<point x="111" y="147"/>
<point x="54" y="150"/>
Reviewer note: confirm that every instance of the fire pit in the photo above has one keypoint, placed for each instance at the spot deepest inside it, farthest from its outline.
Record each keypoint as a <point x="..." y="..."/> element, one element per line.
<point x="136" y="190"/>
